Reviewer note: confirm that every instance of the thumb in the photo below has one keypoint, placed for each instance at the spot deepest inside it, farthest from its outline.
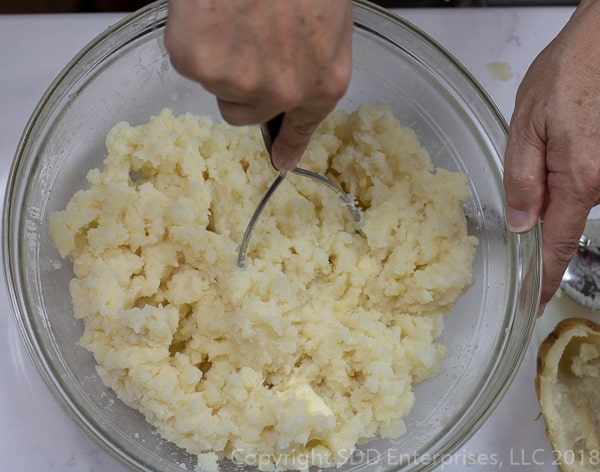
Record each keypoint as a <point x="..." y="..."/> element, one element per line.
<point x="524" y="178"/>
<point x="294" y="135"/>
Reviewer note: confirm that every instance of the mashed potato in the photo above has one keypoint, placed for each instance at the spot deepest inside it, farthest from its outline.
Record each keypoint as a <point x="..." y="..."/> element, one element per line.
<point x="319" y="342"/>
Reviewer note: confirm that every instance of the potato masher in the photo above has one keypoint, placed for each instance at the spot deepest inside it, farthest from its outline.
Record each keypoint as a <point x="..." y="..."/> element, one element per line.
<point x="269" y="131"/>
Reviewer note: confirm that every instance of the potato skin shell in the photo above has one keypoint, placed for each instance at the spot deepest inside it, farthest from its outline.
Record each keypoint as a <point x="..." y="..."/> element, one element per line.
<point x="561" y="329"/>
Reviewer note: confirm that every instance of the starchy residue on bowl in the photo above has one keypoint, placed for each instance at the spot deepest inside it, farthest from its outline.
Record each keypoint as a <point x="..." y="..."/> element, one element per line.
<point x="319" y="342"/>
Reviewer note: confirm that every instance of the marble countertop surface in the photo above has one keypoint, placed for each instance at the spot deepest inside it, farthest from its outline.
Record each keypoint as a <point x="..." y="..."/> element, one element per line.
<point x="495" y="44"/>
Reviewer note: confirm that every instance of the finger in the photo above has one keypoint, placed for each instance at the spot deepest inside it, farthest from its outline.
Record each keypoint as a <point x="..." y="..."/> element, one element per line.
<point x="242" y="114"/>
<point x="294" y="135"/>
<point x="564" y="221"/>
<point x="524" y="176"/>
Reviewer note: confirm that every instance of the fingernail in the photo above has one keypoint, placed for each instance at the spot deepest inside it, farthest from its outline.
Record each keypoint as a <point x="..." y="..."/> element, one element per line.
<point x="284" y="164"/>
<point x="541" y="309"/>
<point x="288" y="165"/>
<point x="517" y="220"/>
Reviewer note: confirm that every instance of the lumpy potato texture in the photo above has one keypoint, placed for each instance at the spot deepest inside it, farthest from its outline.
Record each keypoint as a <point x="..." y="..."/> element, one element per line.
<point x="319" y="342"/>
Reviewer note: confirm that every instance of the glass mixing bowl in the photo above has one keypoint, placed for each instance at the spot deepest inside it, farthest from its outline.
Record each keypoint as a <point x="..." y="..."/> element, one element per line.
<point x="125" y="74"/>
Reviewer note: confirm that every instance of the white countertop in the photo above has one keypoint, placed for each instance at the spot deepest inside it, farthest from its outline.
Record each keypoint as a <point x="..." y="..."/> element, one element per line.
<point x="37" y="435"/>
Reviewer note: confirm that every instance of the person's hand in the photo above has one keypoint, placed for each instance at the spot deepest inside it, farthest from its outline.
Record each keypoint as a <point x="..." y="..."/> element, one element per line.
<point x="263" y="57"/>
<point x="552" y="160"/>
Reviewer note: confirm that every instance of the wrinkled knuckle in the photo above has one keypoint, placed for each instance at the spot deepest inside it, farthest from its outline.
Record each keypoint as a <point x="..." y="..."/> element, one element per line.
<point x="194" y="65"/>
<point x="207" y="77"/>
<point x="289" y="98"/>
<point x="563" y="252"/>
<point x="183" y="58"/>
<point x="339" y="81"/>
<point x="189" y="64"/>
<point x="306" y="128"/>
<point x="521" y="183"/>
<point x="341" y="78"/>
<point x="246" y="88"/>
<point x="332" y="85"/>
<point x="582" y="182"/>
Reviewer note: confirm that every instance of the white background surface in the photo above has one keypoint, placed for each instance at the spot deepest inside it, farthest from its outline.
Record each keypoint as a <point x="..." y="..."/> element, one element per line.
<point x="36" y="434"/>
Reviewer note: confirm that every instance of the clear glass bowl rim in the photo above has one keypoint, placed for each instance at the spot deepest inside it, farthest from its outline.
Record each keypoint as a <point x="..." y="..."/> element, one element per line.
<point x="503" y="372"/>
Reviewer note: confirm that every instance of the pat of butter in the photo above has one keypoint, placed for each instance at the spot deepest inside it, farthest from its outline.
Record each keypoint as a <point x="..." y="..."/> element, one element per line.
<point x="302" y="391"/>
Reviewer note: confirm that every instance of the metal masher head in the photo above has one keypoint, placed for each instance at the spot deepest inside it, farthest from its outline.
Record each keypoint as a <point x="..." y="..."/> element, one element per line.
<point x="269" y="132"/>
